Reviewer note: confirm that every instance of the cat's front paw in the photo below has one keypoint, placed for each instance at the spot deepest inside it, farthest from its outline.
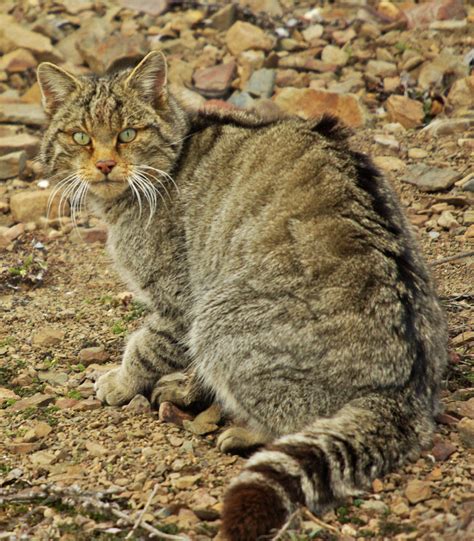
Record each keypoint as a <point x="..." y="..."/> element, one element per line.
<point x="114" y="389"/>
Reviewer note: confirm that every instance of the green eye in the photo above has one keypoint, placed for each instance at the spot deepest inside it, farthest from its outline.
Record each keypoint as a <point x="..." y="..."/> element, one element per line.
<point x="127" y="135"/>
<point x="81" y="138"/>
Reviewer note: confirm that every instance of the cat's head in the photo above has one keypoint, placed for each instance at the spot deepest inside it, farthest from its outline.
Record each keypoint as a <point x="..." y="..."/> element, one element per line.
<point x="113" y="133"/>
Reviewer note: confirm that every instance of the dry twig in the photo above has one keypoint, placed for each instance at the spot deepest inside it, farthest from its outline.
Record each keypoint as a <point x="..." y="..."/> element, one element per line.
<point x="144" y="510"/>
<point x="285" y="526"/>
<point x="455" y="257"/>
<point x="319" y="522"/>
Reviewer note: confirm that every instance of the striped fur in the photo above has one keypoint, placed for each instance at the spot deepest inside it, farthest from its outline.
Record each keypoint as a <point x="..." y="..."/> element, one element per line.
<point x="278" y="266"/>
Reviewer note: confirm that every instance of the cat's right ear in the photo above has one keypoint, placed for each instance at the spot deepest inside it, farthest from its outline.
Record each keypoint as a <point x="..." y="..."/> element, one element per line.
<point x="149" y="78"/>
<point x="55" y="84"/>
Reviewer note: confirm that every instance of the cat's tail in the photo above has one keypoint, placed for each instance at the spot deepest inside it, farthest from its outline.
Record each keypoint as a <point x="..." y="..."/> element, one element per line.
<point x="333" y="458"/>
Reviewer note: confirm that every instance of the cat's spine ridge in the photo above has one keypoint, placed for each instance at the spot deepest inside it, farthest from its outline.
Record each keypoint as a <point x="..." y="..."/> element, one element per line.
<point x="332" y="459"/>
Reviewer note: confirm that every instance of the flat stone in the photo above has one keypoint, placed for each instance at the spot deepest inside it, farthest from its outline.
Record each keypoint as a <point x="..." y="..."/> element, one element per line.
<point x="261" y="83"/>
<point x="380" y="68"/>
<point x="417" y="153"/>
<point x="48" y="336"/>
<point x="138" y="404"/>
<point x="215" y="80"/>
<point x="53" y="377"/>
<point x="93" y="355"/>
<point x="200" y="429"/>
<point x="313" y="32"/>
<point x="272" y="7"/>
<point x="66" y="403"/>
<point x="309" y="103"/>
<point x="17" y="61"/>
<point x="389" y="163"/>
<point x="461" y="95"/>
<point x="243" y="36"/>
<point x="99" y="54"/>
<point x="186" y="481"/>
<point x="422" y="15"/>
<point x="243" y="100"/>
<point x="169" y="413"/>
<point x="443" y="450"/>
<point x="42" y="458"/>
<point x="150" y="7"/>
<point x="30" y="114"/>
<point x="466" y="432"/>
<point x="87" y="405"/>
<point x="418" y="491"/>
<point x="32" y="205"/>
<point x="375" y="506"/>
<point x="334" y="55"/>
<point x="22" y="141"/>
<point x="23" y="448"/>
<point x="447" y="220"/>
<point x="430" y="179"/>
<point x="14" y="36"/>
<point x="12" y="165"/>
<point x="409" y="113"/>
<point x="7" y="394"/>
<point x="224" y="18"/>
<point x="96" y="449"/>
<point x="38" y="400"/>
<point x="94" y="234"/>
<point x="448" y="126"/>
<point x="300" y="62"/>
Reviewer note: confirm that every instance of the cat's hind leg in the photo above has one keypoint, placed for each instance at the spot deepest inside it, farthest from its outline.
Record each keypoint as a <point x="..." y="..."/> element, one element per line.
<point x="151" y="352"/>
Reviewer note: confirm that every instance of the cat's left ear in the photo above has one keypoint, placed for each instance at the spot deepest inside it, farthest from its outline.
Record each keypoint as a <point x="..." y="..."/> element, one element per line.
<point x="56" y="84"/>
<point x="149" y="78"/>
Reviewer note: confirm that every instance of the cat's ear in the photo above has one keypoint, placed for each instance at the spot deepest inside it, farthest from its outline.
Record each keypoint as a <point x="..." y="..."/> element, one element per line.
<point x="149" y="78"/>
<point x="56" y="84"/>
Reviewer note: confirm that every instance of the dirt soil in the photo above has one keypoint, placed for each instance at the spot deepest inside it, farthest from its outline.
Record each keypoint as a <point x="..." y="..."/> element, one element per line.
<point x="69" y="466"/>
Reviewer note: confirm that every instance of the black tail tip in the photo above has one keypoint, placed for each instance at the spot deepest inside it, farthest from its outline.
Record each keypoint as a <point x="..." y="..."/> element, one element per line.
<point x="251" y="510"/>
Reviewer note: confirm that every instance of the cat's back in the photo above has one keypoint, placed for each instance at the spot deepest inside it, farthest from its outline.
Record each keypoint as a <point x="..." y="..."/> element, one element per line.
<point x="289" y="193"/>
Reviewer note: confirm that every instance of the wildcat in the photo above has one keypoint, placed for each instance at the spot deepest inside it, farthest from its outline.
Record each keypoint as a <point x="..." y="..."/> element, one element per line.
<point x="277" y="263"/>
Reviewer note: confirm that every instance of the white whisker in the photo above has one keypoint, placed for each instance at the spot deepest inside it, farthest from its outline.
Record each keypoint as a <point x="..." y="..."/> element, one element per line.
<point x="160" y="172"/>
<point x="136" y="192"/>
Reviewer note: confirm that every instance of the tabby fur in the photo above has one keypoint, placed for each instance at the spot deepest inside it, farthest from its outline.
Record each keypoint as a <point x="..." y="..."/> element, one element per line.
<point x="278" y="265"/>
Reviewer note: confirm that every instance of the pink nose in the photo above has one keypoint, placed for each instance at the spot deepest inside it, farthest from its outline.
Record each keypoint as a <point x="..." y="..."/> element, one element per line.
<point x="105" y="166"/>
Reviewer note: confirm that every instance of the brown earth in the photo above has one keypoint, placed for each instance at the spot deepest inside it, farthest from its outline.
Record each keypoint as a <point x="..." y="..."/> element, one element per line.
<point x="68" y="465"/>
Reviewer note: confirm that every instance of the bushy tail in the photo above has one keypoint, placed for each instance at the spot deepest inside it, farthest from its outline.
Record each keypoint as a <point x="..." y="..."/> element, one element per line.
<point x="332" y="459"/>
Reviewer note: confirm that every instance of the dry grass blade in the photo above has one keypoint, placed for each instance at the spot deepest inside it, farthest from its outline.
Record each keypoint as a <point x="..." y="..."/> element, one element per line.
<point x="144" y="510"/>
<point x="319" y="522"/>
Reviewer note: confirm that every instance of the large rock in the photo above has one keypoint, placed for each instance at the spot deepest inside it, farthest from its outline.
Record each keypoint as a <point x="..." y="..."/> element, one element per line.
<point x="431" y="179"/>
<point x="461" y="95"/>
<point x="418" y="491"/>
<point x="261" y="83"/>
<point x="99" y="54"/>
<point x="215" y="81"/>
<point x="15" y="36"/>
<point x="30" y="114"/>
<point x="12" y="165"/>
<point x="17" y="61"/>
<point x="423" y="14"/>
<point x="409" y="113"/>
<point x="243" y="36"/>
<point x="448" y="126"/>
<point x="432" y="73"/>
<point x="380" y="68"/>
<point x="334" y="55"/>
<point x="150" y="7"/>
<point x="309" y="103"/>
<point x="22" y="141"/>
<point x="32" y="205"/>
<point x="272" y="7"/>
<point x="466" y="432"/>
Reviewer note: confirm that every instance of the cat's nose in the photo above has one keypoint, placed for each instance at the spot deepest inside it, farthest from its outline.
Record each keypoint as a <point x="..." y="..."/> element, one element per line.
<point x="105" y="166"/>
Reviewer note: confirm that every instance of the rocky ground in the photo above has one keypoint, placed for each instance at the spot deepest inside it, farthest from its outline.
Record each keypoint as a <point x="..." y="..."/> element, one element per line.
<point x="399" y="74"/>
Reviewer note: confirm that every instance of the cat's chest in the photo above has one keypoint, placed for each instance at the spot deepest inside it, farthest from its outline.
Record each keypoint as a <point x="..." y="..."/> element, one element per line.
<point x="149" y="260"/>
